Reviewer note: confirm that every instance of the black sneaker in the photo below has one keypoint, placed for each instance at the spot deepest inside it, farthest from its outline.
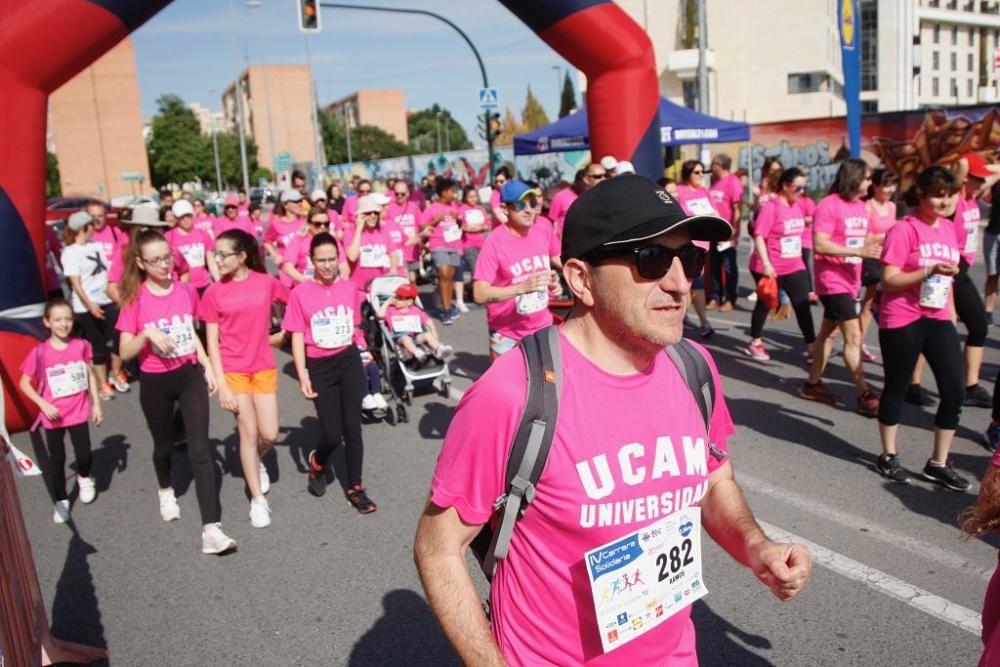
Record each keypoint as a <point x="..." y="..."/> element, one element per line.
<point x="915" y="395"/>
<point x="946" y="476"/>
<point x="317" y="477"/>
<point x="359" y="500"/>
<point x="977" y="397"/>
<point x="888" y="466"/>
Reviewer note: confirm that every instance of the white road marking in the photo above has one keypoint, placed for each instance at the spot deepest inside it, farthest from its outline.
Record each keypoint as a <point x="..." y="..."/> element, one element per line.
<point x="886" y="584"/>
<point x="856" y="523"/>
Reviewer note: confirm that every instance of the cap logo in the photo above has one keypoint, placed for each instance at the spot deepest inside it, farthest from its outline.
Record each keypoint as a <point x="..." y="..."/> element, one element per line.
<point x="664" y="197"/>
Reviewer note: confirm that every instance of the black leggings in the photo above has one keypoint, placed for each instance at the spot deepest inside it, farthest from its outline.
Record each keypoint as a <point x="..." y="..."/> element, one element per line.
<point x="340" y="384"/>
<point x="937" y="340"/>
<point x="796" y="285"/>
<point x="101" y="334"/>
<point x="55" y="439"/>
<point x="970" y="309"/>
<point x="158" y="393"/>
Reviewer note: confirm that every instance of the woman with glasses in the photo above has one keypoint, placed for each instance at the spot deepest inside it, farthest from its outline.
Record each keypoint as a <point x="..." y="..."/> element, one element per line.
<point x="297" y="264"/>
<point x="157" y="326"/>
<point x="695" y="199"/>
<point x="405" y="213"/>
<point x="371" y="252"/>
<point x="324" y="317"/>
<point x="231" y="218"/>
<point x="777" y="239"/>
<point x="237" y="315"/>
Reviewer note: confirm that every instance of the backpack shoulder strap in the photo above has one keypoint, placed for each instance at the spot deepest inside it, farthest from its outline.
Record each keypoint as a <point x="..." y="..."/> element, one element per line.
<point x="698" y="374"/>
<point x="530" y="448"/>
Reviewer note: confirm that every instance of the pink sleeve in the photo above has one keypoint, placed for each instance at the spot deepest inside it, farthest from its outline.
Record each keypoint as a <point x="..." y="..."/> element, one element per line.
<point x="825" y="217"/>
<point x="428" y="213"/>
<point x="470" y="471"/>
<point x="494" y="199"/>
<point x="898" y="243"/>
<point x="290" y="253"/>
<point x="195" y="300"/>
<point x="279" y="292"/>
<point x="486" y="264"/>
<point x="86" y="351"/>
<point x="118" y="264"/>
<point x="181" y="265"/>
<point x="555" y="243"/>
<point x="128" y="318"/>
<point x="208" y="310"/>
<point x="736" y="190"/>
<point x="765" y="220"/>
<point x="271" y="233"/>
<point x="293" y="320"/>
<point x="28" y="365"/>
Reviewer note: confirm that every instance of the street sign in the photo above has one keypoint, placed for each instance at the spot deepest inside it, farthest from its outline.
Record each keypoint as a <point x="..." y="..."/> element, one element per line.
<point x="283" y="161"/>
<point x="132" y="176"/>
<point x="488" y="98"/>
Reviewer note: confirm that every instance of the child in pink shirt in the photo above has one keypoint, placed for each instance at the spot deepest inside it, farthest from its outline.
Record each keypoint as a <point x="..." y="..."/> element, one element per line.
<point x="195" y="245"/>
<point x="411" y="328"/>
<point x="59" y="378"/>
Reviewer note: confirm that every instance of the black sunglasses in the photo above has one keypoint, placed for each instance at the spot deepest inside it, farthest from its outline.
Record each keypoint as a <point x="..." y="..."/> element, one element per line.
<point x="654" y="261"/>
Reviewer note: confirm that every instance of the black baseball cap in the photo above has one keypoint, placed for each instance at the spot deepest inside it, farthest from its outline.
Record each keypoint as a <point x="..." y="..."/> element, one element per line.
<point x="628" y="209"/>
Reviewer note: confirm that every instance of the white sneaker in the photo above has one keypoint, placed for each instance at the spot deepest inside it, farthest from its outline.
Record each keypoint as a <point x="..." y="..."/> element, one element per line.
<point x="265" y="479"/>
<point x="380" y="403"/>
<point x="462" y="308"/>
<point x="752" y="297"/>
<point x="420" y="356"/>
<point x="60" y="512"/>
<point x="260" y="512"/>
<point x="169" y="509"/>
<point x="368" y="402"/>
<point x="214" y="541"/>
<point x="443" y="352"/>
<point x="88" y="489"/>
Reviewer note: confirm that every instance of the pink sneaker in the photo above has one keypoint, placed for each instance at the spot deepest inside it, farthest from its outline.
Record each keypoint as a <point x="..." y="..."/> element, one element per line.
<point x="757" y="351"/>
<point x="867" y="355"/>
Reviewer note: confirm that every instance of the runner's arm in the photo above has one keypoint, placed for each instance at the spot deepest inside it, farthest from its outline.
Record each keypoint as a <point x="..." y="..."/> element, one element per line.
<point x="823" y="245"/>
<point x="894" y="279"/>
<point x="483" y="292"/>
<point x="439" y="552"/>
<point x="761" y="245"/>
<point x="784" y="568"/>
<point x="130" y="344"/>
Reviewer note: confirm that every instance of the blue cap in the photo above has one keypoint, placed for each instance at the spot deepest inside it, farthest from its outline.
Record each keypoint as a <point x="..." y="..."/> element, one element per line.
<point x="512" y="191"/>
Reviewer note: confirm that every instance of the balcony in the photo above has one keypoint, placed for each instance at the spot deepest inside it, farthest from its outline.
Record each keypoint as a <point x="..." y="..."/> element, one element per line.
<point x="684" y="63"/>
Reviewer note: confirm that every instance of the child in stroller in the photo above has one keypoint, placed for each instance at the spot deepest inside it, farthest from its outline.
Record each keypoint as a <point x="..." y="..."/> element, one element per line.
<point x="411" y="329"/>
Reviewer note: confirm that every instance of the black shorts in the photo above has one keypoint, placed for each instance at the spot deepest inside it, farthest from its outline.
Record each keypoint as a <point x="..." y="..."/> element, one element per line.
<point x="839" y="307"/>
<point x="871" y="272"/>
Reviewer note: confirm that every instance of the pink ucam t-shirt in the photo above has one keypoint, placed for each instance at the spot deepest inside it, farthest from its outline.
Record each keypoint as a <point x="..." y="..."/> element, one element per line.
<point x="911" y="244"/>
<point x="475" y="226"/>
<point x="373" y="257"/>
<point x="242" y="309"/>
<point x="328" y="316"/>
<point x="781" y="225"/>
<point x="618" y="462"/>
<point x="560" y="206"/>
<point x="223" y="224"/>
<point x="447" y="234"/>
<point x="808" y="207"/>
<point x="280" y="231"/>
<point x="350" y="210"/>
<point x="507" y="260"/>
<point x="966" y="219"/>
<point x="194" y="246"/>
<point x="879" y="224"/>
<point x="696" y="201"/>
<point x="408" y="218"/>
<point x="846" y="222"/>
<point x="205" y="223"/>
<point x="62" y="378"/>
<point x="173" y="314"/>
<point x="725" y="192"/>
<point x="410" y="320"/>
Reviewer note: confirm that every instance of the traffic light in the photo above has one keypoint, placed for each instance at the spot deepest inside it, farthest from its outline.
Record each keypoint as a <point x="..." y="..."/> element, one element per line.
<point x="309" y="15"/>
<point x="495" y="127"/>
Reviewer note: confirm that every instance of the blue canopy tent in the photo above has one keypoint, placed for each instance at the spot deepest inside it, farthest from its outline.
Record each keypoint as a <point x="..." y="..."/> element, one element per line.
<point x="678" y="125"/>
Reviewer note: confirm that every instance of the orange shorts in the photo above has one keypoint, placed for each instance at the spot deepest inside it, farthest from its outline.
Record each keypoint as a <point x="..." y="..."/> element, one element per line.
<point x="261" y="382"/>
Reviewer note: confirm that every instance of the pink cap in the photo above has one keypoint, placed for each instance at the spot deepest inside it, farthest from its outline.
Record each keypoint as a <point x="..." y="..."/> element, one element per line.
<point x="231" y="200"/>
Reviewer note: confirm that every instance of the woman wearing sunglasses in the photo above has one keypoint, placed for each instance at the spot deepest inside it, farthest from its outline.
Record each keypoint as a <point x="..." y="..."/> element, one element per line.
<point x="695" y="199"/>
<point x="371" y="252"/>
<point x="777" y="239"/>
<point x="514" y="276"/>
<point x="231" y="218"/>
<point x="297" y="264"/>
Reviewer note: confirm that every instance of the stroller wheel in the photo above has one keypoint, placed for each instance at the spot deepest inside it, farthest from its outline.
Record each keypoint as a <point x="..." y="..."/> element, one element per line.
<point x="390" y="417"/>
<point x="446" y="390"/>
<point x="401" y="415"/>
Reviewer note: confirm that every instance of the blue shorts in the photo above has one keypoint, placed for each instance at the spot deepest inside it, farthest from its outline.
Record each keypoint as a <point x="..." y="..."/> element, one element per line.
<point x="500" y="344"/>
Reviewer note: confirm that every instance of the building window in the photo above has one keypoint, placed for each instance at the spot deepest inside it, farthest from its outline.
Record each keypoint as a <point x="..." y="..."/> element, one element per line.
<point x="953" y="88"/>
<point x="869" y="45"/>
<point x="952" y="4"/>
<point x="934" y="87"/>
<point x="968" y="88"/>
<point x="814" y="82"/>
<point x="971" y="60"/>
<point x="972" y="37"/>
<point x="935" y="61"/>
<point x="954" y="35"/>
<point x="691" y="94"/>
<point x="937" y="33"/>
<point x="869" y="106"/>
<point x="954" y="62"/>
<point x="970" y="6"/>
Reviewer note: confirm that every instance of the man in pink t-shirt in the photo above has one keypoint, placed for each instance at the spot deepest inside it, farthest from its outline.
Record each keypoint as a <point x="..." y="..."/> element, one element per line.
<point x="727" y="197"/>
<point x="514" y="276"/>
<point x="406" y="213"/>
<point x="563" y="199"/>
<point x="624" y="478"/>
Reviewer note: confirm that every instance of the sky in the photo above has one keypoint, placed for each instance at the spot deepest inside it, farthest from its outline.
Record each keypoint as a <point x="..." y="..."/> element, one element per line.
<point x="195" y="46"/>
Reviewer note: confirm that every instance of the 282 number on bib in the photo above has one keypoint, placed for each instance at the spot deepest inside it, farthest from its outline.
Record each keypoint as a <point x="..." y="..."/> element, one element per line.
<point x="672" y="565"/>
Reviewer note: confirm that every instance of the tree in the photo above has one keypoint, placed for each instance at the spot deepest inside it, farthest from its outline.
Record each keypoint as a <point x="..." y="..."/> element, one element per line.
<point x="422" y="126"/>
<point x="509" y="126"/>
<point x="533" y="115"/>
<point x="53" y="188"/>
<point x="176" y="147"/>
<point x="229" y="159"/>
<point x="567" y="102"/>
<point x="367" y="141"/>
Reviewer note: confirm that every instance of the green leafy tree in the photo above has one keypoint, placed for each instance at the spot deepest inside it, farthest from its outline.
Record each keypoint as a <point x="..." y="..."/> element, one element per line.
<point x="367" y="141"/>
<point x="533" y="115"/>
<point x="52" y="186"/>
<point x="229" y="159"/>
<point x="422" y="126"/>
<point x="176" y="147"/>
<point x="567" y="101"/>
<point x="509" y="126"/>
<point x="259" y="173"/>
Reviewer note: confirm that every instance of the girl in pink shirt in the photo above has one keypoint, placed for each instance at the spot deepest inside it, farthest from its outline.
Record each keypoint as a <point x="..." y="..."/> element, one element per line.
<point x="881" y="217"/>
<point x="296" y="265"/>
<point x="59" y="378"/>
<point x="202" y="219"/>
<point x="196" y="247"/>
<point x="237" y="315"/>
<point x="322" y="316"/>
<point x="441" y="223"/>
<point x="285" y="223"/>
<point x="157" y="326"/>
<point x="695" y="199"/>
<point x="778" y="242"/>
<point x="919" y="263"/>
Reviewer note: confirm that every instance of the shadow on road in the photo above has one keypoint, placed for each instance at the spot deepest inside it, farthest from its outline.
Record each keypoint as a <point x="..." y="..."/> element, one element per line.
<point x="468" y="365"/>
<point x="722" y="643"/>
<point x="434" y="422"/>
<point x="109" y="458"/>
<point x="76" y="614"/>
<point x="406" y="634"/>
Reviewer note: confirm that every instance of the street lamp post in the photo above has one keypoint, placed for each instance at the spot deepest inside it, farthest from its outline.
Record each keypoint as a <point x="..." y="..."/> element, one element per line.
<point x="437" y="127"/>
<point x="215" y="148"/>
<point x="347" y="130"/>
<point x="314" y="102"/>
<point x="475" y="52"/>
<point x="240" y="112"/>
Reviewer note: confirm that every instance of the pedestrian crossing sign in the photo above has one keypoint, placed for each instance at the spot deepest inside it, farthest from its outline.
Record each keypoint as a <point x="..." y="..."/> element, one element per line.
<point x="488" y="98"/>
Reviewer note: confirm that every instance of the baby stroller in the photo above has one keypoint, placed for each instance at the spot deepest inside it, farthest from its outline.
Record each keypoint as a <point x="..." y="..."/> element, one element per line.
<point x="398" y="378"/>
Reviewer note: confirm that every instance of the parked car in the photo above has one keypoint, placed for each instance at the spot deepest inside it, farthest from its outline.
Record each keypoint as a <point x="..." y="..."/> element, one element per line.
<point x="60" y="208"/>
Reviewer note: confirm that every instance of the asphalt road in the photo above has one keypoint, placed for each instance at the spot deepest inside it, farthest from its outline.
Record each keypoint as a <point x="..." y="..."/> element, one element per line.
<point x="894" y="583"/>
